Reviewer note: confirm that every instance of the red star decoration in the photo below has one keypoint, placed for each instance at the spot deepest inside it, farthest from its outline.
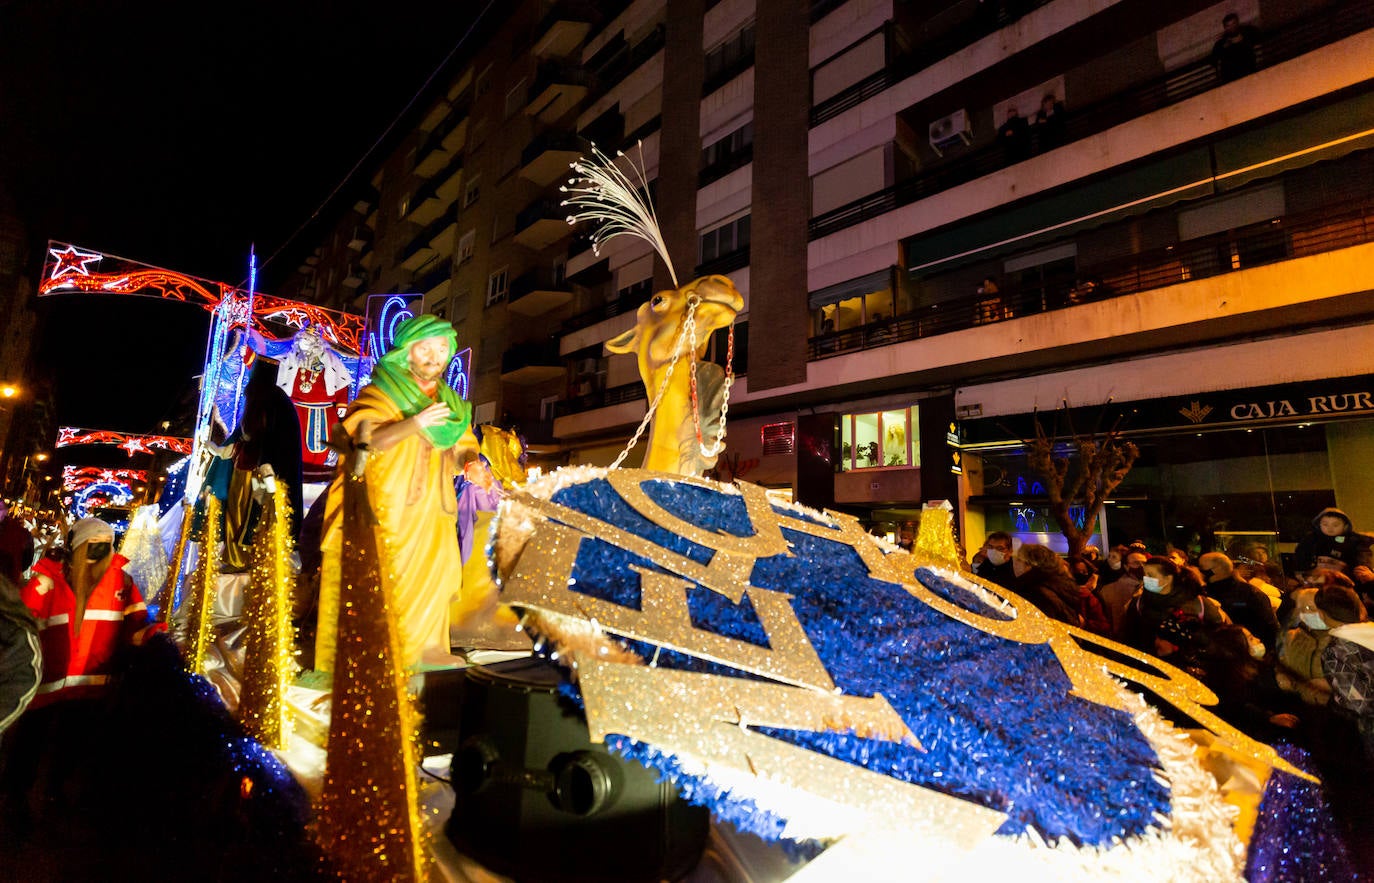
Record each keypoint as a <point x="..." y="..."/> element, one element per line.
<point x="72" y="260"/>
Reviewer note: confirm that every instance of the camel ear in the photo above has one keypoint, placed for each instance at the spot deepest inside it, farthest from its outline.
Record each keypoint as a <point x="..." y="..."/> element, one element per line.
<point x="624" y="343"/>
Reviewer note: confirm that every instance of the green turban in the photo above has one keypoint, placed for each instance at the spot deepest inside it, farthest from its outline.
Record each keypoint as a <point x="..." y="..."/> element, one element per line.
<point x="392" y="376"/>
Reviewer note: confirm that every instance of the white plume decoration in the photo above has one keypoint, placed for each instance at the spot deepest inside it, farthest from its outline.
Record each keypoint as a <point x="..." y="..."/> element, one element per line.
<point x="600" y="191"/>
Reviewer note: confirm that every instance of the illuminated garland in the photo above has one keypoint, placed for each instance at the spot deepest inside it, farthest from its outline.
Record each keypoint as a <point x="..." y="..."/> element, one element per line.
<point x="369" y="818"/>
<point x="203" y="587"/>
<point x="69" y="269"/>
<point x="269" y="658"/>
<point x="68" y="436"/>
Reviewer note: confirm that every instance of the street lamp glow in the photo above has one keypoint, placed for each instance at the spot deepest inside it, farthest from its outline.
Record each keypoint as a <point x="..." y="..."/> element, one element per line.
<point x="40" y="457"/>
<point x="9" y="391"/>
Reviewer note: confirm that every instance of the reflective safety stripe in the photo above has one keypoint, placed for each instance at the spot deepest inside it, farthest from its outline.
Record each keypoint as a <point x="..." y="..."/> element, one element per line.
<point x="56" y="619"/>
<point x="105" y="615"/>
<point x="73" y="681"/>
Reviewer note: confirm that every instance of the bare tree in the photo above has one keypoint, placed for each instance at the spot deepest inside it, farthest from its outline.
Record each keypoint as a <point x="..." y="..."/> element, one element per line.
<point x="1081" y="468"/>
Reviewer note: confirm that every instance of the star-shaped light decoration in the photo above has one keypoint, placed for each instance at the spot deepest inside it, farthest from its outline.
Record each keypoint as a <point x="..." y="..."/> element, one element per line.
<point x="293" y="316"/>
<point x="72" y="260"/>
<point x="133" y="445"/>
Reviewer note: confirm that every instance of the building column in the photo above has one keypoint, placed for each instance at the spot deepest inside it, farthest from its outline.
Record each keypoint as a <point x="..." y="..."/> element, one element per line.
<point x="781" y="194"/>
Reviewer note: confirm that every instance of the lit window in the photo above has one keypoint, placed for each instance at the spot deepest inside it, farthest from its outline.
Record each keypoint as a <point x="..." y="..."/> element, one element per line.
<point x="879" y="439"/>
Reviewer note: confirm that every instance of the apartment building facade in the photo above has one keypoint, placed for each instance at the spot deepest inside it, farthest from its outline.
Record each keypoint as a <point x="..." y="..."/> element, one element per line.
<point x="1180" y="250"/>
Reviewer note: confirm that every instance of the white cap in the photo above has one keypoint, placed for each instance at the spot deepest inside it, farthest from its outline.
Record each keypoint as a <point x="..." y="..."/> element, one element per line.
<point x="90" y="529"/>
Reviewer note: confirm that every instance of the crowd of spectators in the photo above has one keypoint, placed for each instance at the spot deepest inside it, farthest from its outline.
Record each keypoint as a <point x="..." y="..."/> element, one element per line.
<point x="1289" y="654"/>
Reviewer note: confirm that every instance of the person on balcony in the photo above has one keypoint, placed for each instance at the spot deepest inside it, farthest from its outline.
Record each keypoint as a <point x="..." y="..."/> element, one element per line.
<point x="1233" y="55"/>
<point x="1015" y="137"/>
<point x="1050" y="129"/>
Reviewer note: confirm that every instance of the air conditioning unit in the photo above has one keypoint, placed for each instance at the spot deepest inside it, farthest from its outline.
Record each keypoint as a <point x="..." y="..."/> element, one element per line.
<point x="950" y="130"/>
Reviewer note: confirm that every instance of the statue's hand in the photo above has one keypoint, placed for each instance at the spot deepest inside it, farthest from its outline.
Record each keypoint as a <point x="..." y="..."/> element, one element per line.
<point x="432" y="416"/>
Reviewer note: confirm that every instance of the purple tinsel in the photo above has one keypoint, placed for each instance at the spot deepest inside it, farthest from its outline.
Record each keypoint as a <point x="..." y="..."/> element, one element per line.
<point x="1295" y="837"/>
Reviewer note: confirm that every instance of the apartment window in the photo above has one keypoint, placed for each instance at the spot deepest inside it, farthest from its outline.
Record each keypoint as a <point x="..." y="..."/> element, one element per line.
<point x="857" y="302"/>
<point x="728" y="55"/>
<point x="516" y="98"/>
<point x="498" y="285"/>
<point x="720" y="152"/>
<point x="725" y="239"/>
<point x="879" y="439"/>
<point x="465" y="246"/>
<point x="472" y="191"/>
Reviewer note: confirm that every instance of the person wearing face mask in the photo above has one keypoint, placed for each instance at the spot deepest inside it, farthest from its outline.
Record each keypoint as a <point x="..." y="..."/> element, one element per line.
<point x="1348" y="662"/>
<point x="1167" y="591"/>
<point x="88" y="611"/>
<point x="1246" y="605"/>
<point x="1117" y="594"/>
<point x="993" y="561"/>
<point x="1301" y="649"/>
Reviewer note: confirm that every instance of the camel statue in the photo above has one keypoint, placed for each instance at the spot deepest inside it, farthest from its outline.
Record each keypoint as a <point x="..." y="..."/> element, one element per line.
<point x="673" y="444"/>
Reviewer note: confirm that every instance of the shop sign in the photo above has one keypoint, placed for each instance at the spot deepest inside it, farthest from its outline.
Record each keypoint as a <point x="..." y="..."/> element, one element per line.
<point x="1312" y="400"/>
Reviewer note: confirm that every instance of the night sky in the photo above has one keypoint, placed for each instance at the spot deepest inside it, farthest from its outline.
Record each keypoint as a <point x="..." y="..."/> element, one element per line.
<point x="177" y="134"/>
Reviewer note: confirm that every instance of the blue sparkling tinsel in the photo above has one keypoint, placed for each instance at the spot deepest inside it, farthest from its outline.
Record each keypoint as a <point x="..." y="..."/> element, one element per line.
<point x="1295" y="838"/>
<point x="995" y="718"/>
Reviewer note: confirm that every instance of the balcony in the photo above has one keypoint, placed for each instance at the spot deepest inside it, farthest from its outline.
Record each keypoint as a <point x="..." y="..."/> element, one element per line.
<point x="422" y="248"/>
<point x="527" y="364"/>
<point x="361" y="238"/>
<point x="608" y="310"/>
<point x="442" y="145"/>
<point x="546" y="159"/>
<point x="366" y="200"/>
<point x="1297" y="236"/>
<point x="1131" y="103"/>
<point x="449" y="182"/>
<point x="618" y="59"/>
<point x="541" y="224"/>
<point x="558" y="88"/>
<point x="536" y="293"/>
<point x="426" y="204"/>
<point x="355" y="276"/>
<point x="435" y="281"/>
<point x="726" y="263"/>
<point x="616" y="395"/>
<point x="562" y="30"/>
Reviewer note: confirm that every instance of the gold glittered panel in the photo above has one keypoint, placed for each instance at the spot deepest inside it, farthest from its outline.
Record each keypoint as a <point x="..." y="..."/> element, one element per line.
<point x="203" y="585"/>
<point x="269" y="660"/>
<point x="368" y="819"/>
<point x="167" y="594"/>
<point x="706" y="720"/>
<point x="544" y="574"/>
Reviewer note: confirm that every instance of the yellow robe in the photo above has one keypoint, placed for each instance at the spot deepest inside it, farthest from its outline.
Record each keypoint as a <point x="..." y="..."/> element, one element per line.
<point x="410" y="487"/>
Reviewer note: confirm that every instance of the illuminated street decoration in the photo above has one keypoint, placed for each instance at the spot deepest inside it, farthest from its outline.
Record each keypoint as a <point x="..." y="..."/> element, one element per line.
<point x="68" y="436"/>
<point x="69" y="269"/>
<point x="76" y="478"/>
<point x="99" y="495"/>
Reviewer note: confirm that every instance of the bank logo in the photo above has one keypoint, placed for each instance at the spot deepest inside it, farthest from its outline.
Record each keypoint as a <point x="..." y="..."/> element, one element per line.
<point x="1195" y="412"/>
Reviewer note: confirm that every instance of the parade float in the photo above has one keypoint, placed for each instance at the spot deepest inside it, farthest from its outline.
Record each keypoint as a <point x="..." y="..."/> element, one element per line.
<point x="843" y="708"/>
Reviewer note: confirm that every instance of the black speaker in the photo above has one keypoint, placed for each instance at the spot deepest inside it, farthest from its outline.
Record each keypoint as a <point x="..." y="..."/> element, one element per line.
<point x="536" y="801"/>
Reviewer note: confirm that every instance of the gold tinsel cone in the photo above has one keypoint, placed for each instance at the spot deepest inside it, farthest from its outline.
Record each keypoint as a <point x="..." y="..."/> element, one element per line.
<point x="269" y="660"/>
<point x="203" y="584"/>
<point x="935" y="537"/>
<point x="167" y="595"/>
<point x="369" y="818"/>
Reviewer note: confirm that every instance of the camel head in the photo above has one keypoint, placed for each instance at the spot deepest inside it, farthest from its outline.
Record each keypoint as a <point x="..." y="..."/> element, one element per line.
<point x="659" y="323"/>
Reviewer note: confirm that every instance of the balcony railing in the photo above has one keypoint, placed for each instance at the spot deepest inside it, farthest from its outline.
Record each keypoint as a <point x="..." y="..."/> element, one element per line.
<point x="551" y="141"/>
<point x="911" y="62"/>
<point x="724" y="166"/>
<point x="616" y="395"/>
<point x="608" y="310"/>
<point x="1323" y="230"/>
<point x="1178" y="85"/>
<point x="441" y="272"/>
<point x="726" y="263"/>
<point x="620" y="65"/>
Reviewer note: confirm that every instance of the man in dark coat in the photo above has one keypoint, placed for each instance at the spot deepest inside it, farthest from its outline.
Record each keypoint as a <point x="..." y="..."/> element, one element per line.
<point x="1246" y="605"/>
<point x="993" y="561"/>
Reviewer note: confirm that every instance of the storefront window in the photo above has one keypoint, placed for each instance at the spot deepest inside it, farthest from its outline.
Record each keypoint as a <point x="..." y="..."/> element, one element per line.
<point x="878" y="439"/>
